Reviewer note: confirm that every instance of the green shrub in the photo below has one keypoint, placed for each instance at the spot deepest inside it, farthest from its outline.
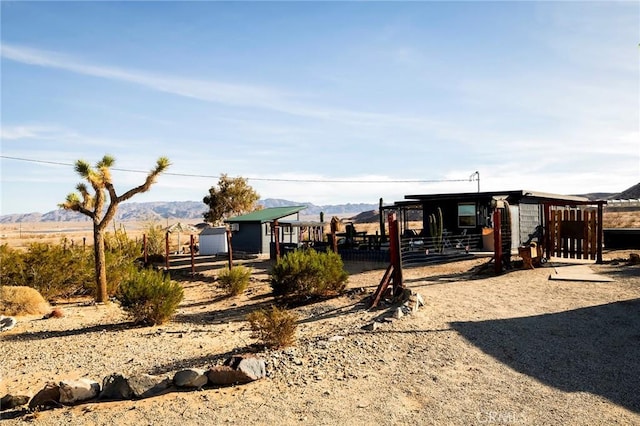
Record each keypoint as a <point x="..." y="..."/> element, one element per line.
<point x="235" y="280"/>
<point x="11" y="266"/>
<point x="59" y="271"/>
<point x="149" y="297"/>
<point x="274" y="327"/>
<point x="53" y="270"/>
<point x="305" y="273"/>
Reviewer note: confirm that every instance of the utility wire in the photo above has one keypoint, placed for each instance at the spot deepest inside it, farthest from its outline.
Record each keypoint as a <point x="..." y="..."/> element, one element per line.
<point x="57" y="163"/>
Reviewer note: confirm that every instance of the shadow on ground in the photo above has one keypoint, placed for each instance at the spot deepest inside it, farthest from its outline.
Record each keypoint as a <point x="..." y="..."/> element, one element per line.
<point x="594" y="349"/>
<point x="100" y="328"/>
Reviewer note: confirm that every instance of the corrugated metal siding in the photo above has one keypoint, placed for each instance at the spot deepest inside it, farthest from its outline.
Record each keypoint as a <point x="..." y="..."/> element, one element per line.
<point x="514" y="211"/>
<point x="530" y="218"/>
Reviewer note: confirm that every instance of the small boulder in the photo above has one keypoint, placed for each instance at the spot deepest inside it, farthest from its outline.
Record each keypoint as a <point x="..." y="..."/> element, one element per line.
<point x="72" y="391"/>
<point x="252" y="366"/>
<point x="7" y="323"/>
<point x="9" y="401"/>
<point x="146" y="385"/>
<point x="115" y="387"/>
<point x="47" y="397"/>
<point x="371" y="326"/>
<point x="238" y="370"/>
<point x="190" y="378"/>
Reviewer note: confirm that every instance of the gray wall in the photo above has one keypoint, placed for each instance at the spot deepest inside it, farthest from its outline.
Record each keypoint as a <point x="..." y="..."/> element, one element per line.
<point x="248" y="238"/>
<point x="530" y="217"/>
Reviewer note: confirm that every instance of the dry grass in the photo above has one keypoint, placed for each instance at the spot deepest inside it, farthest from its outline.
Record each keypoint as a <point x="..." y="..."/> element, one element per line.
<point x="20" y="236"/>
<point x="19" y="300"/>
<point x="628" y="219"/>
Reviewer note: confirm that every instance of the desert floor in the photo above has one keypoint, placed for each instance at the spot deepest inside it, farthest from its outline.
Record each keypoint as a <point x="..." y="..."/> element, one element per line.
<point x="511" y="349"/>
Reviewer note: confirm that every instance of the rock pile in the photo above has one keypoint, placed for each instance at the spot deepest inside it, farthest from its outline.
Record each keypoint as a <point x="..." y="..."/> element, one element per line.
<point x="240" y="369"/>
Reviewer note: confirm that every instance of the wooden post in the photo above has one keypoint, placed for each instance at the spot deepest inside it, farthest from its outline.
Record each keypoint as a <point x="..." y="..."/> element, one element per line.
<point x="497" y="240"/>
<point x="193" y="264"/>
<point x="276" y="233"/>
<point x="382" y="230"/>
<point x="600" y="232"/>
<point x="229" y="248"/>
<point x="547" y="230"/>
<point x="166" y="251"/>
<point x="394" y="252"/>
<point x="144" y="249"/>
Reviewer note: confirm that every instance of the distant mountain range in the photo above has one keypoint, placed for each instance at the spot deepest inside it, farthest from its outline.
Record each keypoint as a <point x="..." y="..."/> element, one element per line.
<point x="159" y="210"/>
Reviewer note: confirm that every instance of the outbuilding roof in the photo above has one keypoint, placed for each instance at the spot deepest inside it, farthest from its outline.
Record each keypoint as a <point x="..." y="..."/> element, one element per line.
<point x="517" y="195"/>
<point x="267" y="215"/>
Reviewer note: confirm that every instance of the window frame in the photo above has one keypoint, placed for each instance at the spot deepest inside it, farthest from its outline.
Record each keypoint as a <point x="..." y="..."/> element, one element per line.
<point x="463" y="225"/>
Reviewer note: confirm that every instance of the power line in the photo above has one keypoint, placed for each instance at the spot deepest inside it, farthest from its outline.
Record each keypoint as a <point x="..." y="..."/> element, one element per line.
<point x="57" y="163"/>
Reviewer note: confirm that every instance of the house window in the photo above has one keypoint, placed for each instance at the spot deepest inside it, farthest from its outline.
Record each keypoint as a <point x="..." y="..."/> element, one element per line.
<point x="287" y="229"/>
<point x="467" y="215"/>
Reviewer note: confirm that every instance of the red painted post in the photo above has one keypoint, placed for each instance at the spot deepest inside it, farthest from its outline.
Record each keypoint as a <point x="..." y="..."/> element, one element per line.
<point x="144" y="248"/>
<point x="497" y="240"/>
<point x="394" y="252"/>
<point x="600" y="232"/>
<point x="193" y="264"/>
<point x="166" y="251"/>
<point x="276" y="234"/>
<point x="547" y="230"/>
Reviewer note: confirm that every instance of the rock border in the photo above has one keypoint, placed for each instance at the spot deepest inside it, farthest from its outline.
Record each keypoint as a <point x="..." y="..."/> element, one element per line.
<point x="238" y="369"/>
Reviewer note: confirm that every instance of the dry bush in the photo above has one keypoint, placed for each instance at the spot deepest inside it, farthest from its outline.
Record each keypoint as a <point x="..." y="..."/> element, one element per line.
<point x="21" y="300"/>
<point x="234" y="281"/>
<point x="276" y="328"/>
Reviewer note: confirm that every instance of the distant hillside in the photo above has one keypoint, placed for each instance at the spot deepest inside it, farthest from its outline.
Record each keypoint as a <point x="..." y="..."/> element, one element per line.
<point x="159" y="210"/>
<point x="627" y="194"/>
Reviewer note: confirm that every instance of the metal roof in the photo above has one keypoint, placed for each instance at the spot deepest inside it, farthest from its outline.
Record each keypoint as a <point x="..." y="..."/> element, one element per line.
<point x="517" y="195"/>
<point x="267" y="215"/>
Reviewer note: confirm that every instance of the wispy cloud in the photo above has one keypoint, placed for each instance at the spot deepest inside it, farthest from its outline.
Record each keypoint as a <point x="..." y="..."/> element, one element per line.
<point x="15" y="133"/>
<point x="239" y="95"/>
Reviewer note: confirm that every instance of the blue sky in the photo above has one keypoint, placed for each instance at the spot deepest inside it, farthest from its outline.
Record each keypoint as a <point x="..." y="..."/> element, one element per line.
<point x="533" y="95"/>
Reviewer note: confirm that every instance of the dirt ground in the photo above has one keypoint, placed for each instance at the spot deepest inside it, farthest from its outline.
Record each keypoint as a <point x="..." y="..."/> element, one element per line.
<point x="511" y="349"/>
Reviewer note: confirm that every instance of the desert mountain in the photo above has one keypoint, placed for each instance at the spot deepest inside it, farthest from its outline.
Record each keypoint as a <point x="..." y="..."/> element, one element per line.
<point x="155" y="211"/>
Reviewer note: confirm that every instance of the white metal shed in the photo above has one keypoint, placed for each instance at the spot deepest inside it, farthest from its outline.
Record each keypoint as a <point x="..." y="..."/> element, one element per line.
<point x="213" y="240"/>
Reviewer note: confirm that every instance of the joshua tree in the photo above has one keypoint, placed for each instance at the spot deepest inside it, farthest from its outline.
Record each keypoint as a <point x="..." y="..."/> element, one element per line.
<point x="93" y="206"/>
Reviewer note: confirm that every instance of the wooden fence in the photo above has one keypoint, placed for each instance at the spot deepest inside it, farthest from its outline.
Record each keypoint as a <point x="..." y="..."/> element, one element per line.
<point x="574" y="231"/>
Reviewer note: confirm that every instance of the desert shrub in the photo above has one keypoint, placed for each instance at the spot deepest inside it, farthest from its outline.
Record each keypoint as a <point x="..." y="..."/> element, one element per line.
<point x="11" y="266"/>
<point x="235" y="280"/>
<point x="308" y="273"/>
<point x="56" y="271"/>
<point x="274" y="327"/>
<point x="21" y="300"/>
<point x="155" y="239"/>
<point x="59" y="270"/>
<point x="149" y="296"/>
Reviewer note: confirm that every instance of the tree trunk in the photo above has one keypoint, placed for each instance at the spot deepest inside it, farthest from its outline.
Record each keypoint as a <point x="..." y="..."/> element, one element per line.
<point x="101" y="266"/>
